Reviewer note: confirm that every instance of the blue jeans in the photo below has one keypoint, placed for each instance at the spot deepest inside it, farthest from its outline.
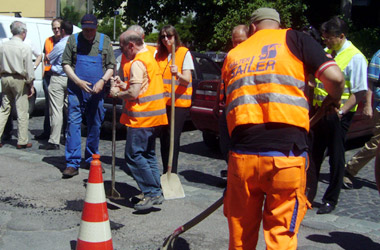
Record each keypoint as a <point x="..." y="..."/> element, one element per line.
<point x="140" y="157"/>
<point x="93" y="111"/>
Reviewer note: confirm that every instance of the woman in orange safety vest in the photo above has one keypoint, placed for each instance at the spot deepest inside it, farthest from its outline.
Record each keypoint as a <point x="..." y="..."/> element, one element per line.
<point x="168" y="37"/>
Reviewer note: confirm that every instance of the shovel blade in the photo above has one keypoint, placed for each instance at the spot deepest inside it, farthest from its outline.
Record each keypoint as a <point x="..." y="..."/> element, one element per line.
<point x="171" y="186"/>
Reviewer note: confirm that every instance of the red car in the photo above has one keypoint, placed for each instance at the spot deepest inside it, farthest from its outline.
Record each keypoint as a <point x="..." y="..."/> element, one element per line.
<point x="204" y="119"/>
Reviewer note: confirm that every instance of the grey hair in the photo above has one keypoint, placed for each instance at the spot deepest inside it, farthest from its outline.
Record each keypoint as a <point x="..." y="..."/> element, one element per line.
<point x="138" y="29"/>
<point x="18" y="27"/>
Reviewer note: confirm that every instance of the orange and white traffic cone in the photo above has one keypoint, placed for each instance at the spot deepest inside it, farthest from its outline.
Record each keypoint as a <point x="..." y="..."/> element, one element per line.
<point x="95" y="230"/>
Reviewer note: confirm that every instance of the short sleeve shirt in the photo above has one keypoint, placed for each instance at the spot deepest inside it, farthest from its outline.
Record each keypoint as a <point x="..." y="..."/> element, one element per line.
<point x="90" y="49"/>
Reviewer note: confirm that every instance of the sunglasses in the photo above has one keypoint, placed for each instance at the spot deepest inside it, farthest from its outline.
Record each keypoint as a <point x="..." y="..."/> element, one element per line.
<point x="167" y="36"/>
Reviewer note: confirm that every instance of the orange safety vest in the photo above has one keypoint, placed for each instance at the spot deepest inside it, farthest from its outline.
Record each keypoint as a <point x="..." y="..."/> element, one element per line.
<point x="265" y="83"/>
<point x="182" y="92"/>
<point x="49" y="45"/>
<point x="124" y="59"/>
<point x="149" y="109"/>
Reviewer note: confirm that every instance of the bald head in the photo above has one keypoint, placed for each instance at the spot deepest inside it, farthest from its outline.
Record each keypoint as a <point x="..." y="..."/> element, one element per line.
<point x="239" y="34"/>
<point x="138" y="29"/>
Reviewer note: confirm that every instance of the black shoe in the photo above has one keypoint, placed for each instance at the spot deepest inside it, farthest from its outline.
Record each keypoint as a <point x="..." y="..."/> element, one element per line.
<point x="326" y="208"/>
<point x="49" y="146"/>
<point x="42" y="136"/>
<point x="69" y="172"/>
<point x="348" y="180"/>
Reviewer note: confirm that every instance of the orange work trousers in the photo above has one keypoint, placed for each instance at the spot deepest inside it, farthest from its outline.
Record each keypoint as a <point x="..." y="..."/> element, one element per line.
<point x="273" y="179"/>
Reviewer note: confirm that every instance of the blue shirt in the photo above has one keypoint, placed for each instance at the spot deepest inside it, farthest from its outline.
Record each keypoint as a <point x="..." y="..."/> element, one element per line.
<point x="55" y="56"/>
<point x="373" y="75"/>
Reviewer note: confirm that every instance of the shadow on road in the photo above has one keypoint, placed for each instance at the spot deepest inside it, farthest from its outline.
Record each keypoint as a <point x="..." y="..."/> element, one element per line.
<point x="57" y="161"/>
<point x="345" y="240"/>
<point x="200" y="177"/>
<point x="199" y="148"/>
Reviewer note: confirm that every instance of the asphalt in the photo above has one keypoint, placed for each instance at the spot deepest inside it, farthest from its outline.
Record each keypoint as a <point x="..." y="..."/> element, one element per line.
<point x="39" y="210"/>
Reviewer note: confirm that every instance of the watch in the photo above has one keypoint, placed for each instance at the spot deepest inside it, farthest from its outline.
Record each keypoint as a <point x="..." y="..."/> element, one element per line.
<point x="104" y="80"/>
<point x="340" y="112"/>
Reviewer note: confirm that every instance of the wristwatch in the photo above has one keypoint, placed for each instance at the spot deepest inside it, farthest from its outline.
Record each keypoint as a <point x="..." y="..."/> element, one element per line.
<point x="340" y="112"/>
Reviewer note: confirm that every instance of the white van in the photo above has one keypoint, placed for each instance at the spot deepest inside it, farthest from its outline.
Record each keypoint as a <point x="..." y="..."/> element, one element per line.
<point x="38" y="31"/>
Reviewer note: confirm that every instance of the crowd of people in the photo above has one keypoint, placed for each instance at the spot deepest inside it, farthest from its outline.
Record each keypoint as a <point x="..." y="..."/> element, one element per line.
<point x="274" y="153"/>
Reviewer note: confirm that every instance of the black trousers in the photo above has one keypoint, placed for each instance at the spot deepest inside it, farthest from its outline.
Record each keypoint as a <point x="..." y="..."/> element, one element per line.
<point x="180" y="116"/>
<point x="329" y="133"/>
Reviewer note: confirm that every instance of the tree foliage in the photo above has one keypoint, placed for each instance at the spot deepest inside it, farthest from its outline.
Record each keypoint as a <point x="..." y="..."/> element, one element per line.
<point x="106" y="26"/>
<point x="70" y="14"/>
<point x="202" y="24"/>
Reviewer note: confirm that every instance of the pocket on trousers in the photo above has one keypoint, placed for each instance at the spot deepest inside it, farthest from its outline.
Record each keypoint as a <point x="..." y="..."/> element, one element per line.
<point x="287" y="172"/>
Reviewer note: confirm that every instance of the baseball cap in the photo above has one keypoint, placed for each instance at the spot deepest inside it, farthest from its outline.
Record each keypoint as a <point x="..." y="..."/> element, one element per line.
<point x="265" y="13"/>
<point x="89" y="21"/>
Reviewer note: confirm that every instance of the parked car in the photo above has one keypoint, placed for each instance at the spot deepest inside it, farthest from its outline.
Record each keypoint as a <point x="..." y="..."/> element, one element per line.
<point x="38" y="31"/>
<point x="204" y="69"/>
<point x="205" y="120"/>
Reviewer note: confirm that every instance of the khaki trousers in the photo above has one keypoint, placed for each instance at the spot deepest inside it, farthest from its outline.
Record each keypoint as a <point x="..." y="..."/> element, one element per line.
<point x="57" y="105"/>
<point x="368" y="151"/>
<point x="15" y="90"/>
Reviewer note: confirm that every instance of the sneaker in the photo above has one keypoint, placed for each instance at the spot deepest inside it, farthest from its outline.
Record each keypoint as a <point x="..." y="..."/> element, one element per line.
<point x="147" y="202"/>
<point x="158" y="200"/>
<point x="144" y="204"/>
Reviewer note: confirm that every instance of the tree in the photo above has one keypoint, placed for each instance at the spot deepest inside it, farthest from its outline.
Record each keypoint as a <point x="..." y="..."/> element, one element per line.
<point x="69" y="14"/>
<point x="204" y="24"/>
<point x="106" y="26"/>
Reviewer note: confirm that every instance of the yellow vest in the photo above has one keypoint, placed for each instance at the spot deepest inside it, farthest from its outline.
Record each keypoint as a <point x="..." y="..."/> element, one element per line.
<point x="342" y="59"/>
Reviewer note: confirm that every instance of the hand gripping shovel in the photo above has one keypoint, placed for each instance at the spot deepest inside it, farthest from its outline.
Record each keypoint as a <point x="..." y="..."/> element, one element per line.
<point x="170" y="183"/>
<point x="169" y="241"/>
<point x="114" y="193"/>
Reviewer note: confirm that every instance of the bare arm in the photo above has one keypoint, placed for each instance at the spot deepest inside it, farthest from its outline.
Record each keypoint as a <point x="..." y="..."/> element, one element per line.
<point x="367" y="109"/>
<point x="333" y="81"/>
<point x="38" y="61"/>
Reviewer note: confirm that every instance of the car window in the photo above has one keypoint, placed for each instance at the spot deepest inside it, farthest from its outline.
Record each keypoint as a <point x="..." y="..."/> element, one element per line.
<point x="207" y="68"/>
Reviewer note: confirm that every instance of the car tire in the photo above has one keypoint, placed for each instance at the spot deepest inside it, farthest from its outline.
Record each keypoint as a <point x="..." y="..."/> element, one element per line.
<point x="211" y="140"/>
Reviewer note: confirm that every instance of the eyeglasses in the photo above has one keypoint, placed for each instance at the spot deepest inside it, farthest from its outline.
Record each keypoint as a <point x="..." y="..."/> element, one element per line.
<point x="167" y="36"/>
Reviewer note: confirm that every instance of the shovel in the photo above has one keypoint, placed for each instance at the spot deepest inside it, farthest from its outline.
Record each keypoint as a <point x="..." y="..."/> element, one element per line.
<point x="169" y="241"/>
<point x="114" y="193"/>
<point x="170" y="183"/>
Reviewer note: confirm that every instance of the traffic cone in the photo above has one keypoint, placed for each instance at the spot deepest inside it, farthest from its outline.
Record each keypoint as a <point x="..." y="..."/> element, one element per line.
<point x="95" y="230"/>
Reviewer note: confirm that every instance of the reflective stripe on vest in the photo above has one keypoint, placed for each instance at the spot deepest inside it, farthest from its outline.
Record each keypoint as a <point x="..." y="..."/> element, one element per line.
<point x="265" y="83"/>
<point x="149" y="109"/>
<point x="49" y="45"/>
<point x="342" y="59"/>
<point x="183" y="93"/>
